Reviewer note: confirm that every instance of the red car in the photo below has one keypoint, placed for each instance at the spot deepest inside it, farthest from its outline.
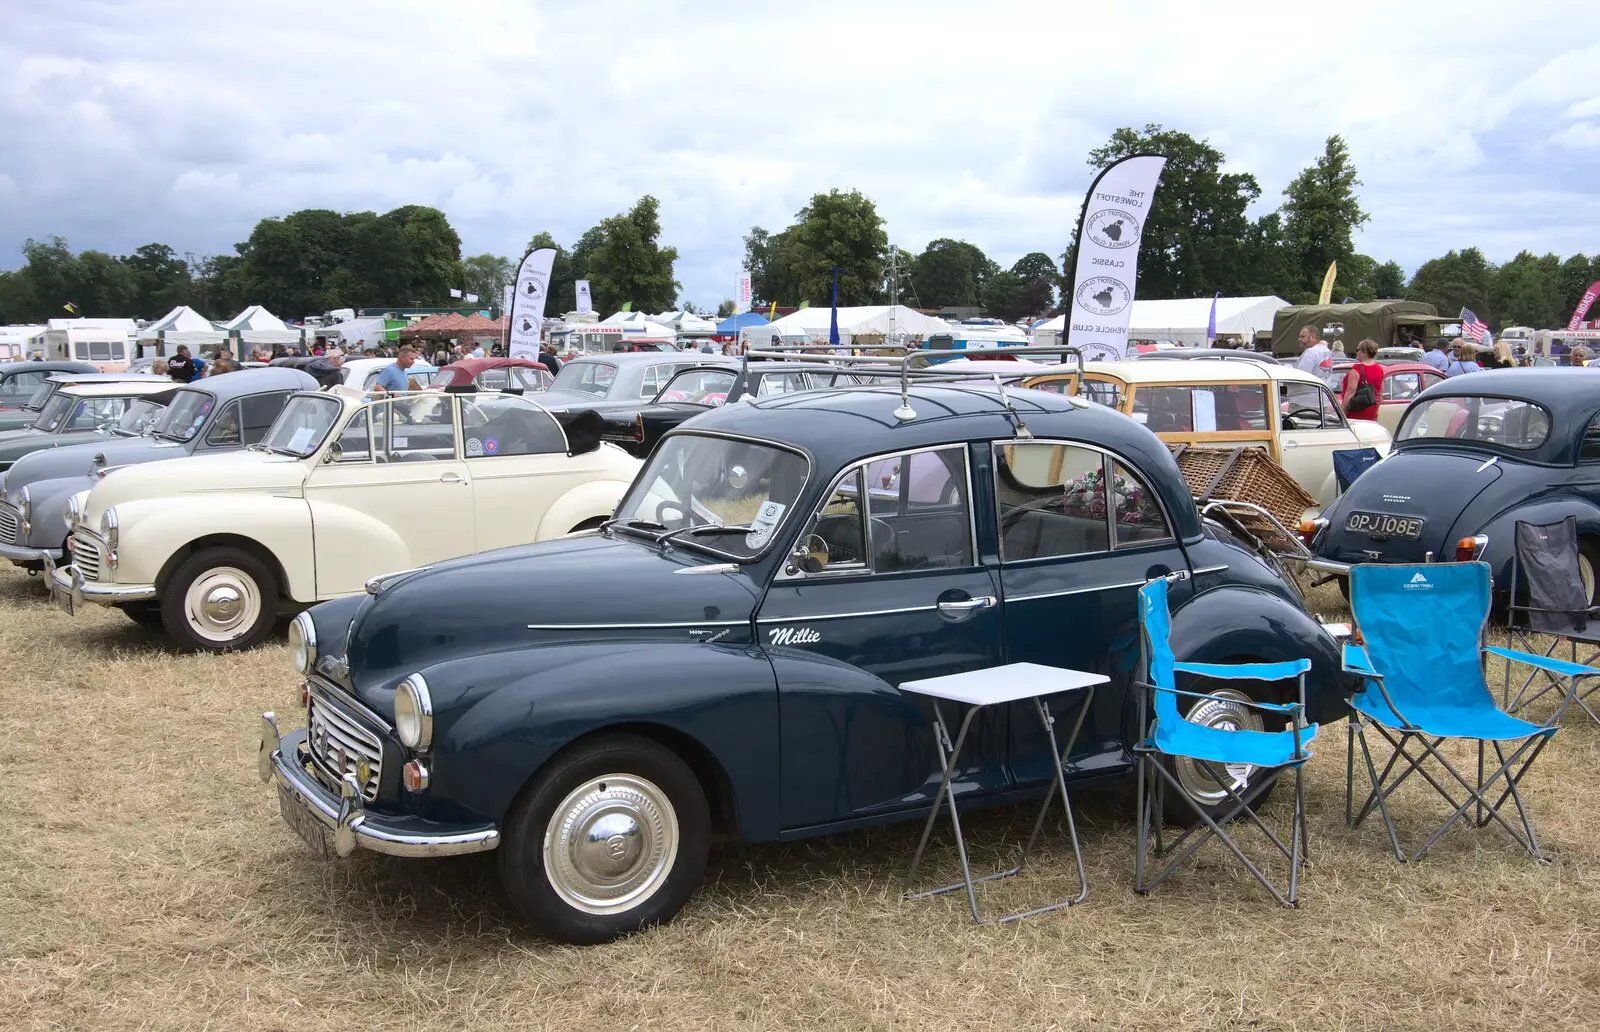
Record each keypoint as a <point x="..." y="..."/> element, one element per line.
<point x="1402" y="381"/>
<point x="526" y="375"/>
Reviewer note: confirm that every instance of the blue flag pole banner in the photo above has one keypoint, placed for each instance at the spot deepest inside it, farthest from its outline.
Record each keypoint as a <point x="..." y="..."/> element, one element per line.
<point x="833" y="318"/>
<point x="526" y="318"/>
<point x="1211" y="323"/>
<point x="1106" y="269"/>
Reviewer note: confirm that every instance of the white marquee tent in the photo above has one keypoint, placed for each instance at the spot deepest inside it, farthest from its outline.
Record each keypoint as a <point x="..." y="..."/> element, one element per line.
<point x="1184" y="320"/>
<point x="864" y="320"/>
<point x="182" y="325"/>
<point x="256" y="325"/>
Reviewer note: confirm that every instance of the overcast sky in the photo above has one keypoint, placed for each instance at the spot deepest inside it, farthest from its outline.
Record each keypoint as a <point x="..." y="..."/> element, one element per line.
<point x="122" y="123"/>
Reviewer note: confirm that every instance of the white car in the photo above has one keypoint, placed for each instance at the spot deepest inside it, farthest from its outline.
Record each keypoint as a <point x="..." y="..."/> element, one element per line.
<point x="342" y="489"/>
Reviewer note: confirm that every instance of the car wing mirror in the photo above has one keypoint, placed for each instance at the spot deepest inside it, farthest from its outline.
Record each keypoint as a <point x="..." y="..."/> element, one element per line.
<point x="804" y="558"/>
<point x="334" y="453"/>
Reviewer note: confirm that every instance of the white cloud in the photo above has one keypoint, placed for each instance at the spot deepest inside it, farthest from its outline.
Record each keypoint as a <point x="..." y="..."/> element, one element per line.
<point x="128" y="123"/>
<point x="1578" y="134"/>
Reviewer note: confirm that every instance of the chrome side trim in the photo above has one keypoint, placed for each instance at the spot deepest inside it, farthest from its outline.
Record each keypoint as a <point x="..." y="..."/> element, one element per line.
<point x="847" y="616"/>
<point x="1076" y="591"/>
<point x="1212" y="569"/>
<point x="632" y="626"/>
<point x="690" y="571"/>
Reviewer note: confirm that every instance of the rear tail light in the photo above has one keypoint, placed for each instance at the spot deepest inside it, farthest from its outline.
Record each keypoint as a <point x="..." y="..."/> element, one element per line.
<point x="1308" y="529"/>
<point x="638" y="428"/>
<point x="1468" y="549"/>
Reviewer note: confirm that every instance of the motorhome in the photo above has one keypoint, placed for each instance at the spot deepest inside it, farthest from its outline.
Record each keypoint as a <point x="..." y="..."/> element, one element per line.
<point x="106" y="343"/>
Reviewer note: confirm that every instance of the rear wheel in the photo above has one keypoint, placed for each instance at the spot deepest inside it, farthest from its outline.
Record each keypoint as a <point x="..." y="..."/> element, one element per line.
<point x="1200" y="780"/>
<point x="609" y="839"/>
<point x="1588" y="563"/>
<point x="219" y="600"/>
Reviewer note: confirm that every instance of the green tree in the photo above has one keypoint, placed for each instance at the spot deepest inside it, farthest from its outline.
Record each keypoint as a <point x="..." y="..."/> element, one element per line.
<point x="1036" y="265"/>
<point x="726" y="309"/>
<point x="628" y="263"/>
<point x="843" y="228"/>
<point x="160" y="278"/>
<point x="1388" y="281"/>
<point x="1001" y="295"/>
<point x="1319" y="218"/>
<point x="1526" y="291"/>
<point x="1193" y="242"/>
<point x="770" y="258"/>
<point x="1460" y="279"/>
<point x="952" y="273"/>
<point x="431" y="259"/>
<point x="19" y="303"/>
<point x="487" y="275"/>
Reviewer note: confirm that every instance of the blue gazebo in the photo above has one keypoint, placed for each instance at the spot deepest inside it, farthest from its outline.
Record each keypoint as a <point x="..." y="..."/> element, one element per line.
<point x="731" y="326"/>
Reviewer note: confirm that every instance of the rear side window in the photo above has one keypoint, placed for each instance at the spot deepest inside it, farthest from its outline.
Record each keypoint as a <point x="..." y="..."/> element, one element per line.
<point x="1589" y="447"/>
<point x="1202" y="409"/>
<point x="1060" y="500"/>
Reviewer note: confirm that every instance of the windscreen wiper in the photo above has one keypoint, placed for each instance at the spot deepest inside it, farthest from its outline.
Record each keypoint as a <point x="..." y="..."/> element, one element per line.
<point x="707" y="529"/>
<point x="635" y="523"/>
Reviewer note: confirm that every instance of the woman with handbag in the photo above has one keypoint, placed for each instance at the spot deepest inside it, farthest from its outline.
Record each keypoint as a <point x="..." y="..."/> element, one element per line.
<point x="1362" y="383"/>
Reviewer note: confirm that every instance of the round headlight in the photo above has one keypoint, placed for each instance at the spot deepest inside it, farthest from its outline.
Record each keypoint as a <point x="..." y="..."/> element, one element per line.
<point x="303" y="643"/>
<point x="413" y="713"/>
<point x="108" y="526"/>
<point x="72" y="512"/>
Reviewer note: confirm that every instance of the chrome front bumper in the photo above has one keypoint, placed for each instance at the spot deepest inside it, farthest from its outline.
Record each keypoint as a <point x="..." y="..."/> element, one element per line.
<point x="345" y="816"/>
<point x="25" y="554"/>
<point x="68" y="581"/>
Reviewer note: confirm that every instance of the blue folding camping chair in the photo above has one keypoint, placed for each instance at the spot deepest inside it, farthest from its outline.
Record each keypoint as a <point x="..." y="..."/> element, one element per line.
<point x="1420" y="665"/>
<point x="1215" y="749"/>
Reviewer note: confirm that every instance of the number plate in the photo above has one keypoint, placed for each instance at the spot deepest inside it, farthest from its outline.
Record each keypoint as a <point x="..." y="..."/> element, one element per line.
<point x="62" y="599"/>
<point x="305" y="824"/>
<point x="1382" y="525"/>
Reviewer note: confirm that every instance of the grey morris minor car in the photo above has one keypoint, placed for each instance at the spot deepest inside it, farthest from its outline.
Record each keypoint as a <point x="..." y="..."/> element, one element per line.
<point x="218" y="413"/>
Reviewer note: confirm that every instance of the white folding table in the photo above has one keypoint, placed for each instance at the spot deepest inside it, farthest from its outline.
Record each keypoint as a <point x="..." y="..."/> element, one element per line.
<point x="975" y="689"/>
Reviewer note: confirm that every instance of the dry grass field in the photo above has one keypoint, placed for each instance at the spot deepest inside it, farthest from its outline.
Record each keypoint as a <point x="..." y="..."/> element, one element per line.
<point x="147" y="882"/>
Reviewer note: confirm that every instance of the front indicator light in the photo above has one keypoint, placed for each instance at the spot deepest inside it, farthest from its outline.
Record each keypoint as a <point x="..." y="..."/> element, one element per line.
<point x="414" y="776"/>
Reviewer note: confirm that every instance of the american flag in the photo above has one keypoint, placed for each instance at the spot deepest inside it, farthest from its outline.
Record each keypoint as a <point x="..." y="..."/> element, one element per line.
<point x="1472" y="326"/>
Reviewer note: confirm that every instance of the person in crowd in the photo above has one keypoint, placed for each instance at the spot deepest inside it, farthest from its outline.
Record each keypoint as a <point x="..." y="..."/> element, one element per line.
<point x="441" y="358"/>
<point x="220" y="365"/>
<point x="548" y="359"/>
<point x="158" y="366"/>
<point x="328" y="368"/>
<point x="183" y="367"/>
<point x="706" y="348"/>
<point x="1500" y="356"/>
<point x="260" y="354"/>
<point x="1315" y="357"/>
<point x="392" y="379"/>
<point x="1466" y="360"/>
<point x="369" y="353"/>
<point x="1366" y="370"/>
<point x="1433" y="354"/>
<point x="477" y="350"/>
<point x="1579" y="355"/>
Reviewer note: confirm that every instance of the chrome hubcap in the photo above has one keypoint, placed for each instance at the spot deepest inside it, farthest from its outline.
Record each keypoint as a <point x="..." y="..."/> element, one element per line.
<point x="1586" y="572"/>
<point x="222" y="603"/>
<point x="610" y="844"/>
<point x="1228" y="714"/>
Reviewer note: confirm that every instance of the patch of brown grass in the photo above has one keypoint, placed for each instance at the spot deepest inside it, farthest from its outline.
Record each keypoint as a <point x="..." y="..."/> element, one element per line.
<point x="148" y="883"/>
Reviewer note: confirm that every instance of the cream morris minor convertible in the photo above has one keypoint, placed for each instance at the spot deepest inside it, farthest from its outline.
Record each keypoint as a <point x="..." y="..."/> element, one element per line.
<point x="215" y="548"/>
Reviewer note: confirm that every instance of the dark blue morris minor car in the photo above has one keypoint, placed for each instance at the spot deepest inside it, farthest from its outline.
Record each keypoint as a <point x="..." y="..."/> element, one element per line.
<point x="722" y="658"/>
<point x="1473" y="456"/>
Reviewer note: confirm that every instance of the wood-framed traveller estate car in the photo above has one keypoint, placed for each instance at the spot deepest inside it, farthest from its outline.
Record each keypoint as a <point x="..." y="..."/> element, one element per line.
<point x="342" y="488"/>
<point x="1475" y="455"/>
<point x="216" y="414"/>
<point x="725" y="655"/>
<point x="1289" y="412"/>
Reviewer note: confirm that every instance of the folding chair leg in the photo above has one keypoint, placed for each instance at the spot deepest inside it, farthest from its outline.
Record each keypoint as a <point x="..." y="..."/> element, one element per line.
<point x="1531" y="842"/>
<point x="1378" y="794"/>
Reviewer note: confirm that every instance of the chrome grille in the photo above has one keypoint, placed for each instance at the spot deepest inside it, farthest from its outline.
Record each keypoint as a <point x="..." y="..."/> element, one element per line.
<point x="338" y="745"/>
<point x="86" y="555"/>
<point x="9" y="519"/>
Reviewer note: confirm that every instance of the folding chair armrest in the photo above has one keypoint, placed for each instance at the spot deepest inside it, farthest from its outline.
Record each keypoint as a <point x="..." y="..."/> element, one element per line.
<point x="1550" y="663"/>
<point x="1247" y="671"/>
<point x="1271" y="707"/>
<point x="1354" y="660"/>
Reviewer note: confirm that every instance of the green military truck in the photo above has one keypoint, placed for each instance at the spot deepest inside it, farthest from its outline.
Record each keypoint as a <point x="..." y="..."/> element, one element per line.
<point x="1393" y="324"/>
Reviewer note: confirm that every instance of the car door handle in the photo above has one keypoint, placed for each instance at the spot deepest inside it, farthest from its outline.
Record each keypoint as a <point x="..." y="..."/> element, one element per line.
<point x="1291" y="444"/>
<point x="452" y="478"/>
<point x="967" y="605"/>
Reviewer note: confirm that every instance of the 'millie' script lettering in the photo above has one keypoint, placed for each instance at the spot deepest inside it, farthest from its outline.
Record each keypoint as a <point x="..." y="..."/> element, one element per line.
<point x="793" y="636"/>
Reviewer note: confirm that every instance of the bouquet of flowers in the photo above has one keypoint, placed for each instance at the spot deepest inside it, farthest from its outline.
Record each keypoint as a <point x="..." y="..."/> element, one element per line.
<point x="1086" y="496"/>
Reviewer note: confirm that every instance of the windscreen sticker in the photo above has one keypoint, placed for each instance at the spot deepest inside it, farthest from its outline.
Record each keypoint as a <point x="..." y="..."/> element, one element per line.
<point x="491" y="445"/>
<point x="400" y="442"/>
<point x="764" y="524"/>
<point x="474" y="447"/>
<point x="301" y="439"/>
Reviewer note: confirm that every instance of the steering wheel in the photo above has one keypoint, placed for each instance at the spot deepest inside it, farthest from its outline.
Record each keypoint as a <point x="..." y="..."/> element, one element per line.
<point x="685" y="518"/>
<point x="1309" y="412"/>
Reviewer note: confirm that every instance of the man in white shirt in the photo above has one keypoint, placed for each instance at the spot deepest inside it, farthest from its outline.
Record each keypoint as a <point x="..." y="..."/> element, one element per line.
<point x="477" y="350"/>
<point x="1435" y="356"/>
<point x="1317" y="357"/>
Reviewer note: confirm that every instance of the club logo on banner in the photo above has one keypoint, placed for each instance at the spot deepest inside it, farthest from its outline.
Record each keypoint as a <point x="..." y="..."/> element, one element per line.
<point x="1106" y="272"/>
<point x="585" y="302"/>
<point x="527" y="307"/>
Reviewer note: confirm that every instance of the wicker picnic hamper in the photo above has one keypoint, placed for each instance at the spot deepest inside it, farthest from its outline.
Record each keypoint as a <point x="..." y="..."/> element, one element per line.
<point x="1245" y="475"/>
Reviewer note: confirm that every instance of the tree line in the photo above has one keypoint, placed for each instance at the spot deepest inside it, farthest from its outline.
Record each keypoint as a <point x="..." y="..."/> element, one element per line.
<point x="1198" y="239"/>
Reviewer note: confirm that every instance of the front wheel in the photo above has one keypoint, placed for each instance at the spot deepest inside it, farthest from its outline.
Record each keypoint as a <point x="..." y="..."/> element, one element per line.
<point x="610" y="839"/>
<point x="219" y="600"/>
